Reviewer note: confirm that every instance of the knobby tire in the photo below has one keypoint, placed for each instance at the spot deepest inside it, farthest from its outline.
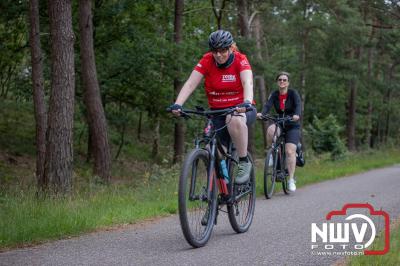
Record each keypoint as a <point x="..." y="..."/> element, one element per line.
<point x="191" y="212"/>
<point x="241" y="211"/>
<point x="270" y="172"/>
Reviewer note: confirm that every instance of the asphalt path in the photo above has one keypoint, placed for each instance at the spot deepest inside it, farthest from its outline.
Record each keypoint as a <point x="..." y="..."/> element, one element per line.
<point x="280" y="233"/>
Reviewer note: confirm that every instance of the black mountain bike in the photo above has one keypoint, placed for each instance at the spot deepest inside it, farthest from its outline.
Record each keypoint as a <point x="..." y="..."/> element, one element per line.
<point x="275" y="169"/>
<point x="205" y="186"/>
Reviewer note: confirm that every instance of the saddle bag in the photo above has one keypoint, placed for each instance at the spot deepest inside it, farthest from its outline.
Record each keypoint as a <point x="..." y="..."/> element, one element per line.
<point x="300" y="161"/>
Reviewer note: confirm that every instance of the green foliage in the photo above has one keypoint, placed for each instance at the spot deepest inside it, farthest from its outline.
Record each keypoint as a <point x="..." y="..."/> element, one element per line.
<point x="13" y="52"/>
<point x="17" y="128"/>
<point x="137" y="60"/>
<point x="324" y="136"/>
<point x="28" y="219"/>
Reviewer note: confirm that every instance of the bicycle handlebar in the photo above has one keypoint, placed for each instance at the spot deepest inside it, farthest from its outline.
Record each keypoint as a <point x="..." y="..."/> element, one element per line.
<point x="277" y="119"/>
<point x="226" y="111"/>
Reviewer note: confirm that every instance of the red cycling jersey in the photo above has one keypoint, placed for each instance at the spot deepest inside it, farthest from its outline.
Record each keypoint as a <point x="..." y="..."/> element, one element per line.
<point x="223" y="85"/>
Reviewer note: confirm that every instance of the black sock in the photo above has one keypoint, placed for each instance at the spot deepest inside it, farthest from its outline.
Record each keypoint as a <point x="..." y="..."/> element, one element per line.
<point x="243" y="159"/>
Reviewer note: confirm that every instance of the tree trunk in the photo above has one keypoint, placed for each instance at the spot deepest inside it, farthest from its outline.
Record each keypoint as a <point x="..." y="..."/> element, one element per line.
<point x="245" y="32"/>
<point x="179" y="134"/>
<point x="260" y="78"/>
<point x="92" y="98"/>
<point x="179" y="137"/>
<point x="243" y="20"/>
<point x="38" y="92"/>
<point x="368" y="135"/>
<point x="389" y="98"/>
<point x="388" y="105"/>
<point x="305" y="31"/>
<point x="303" y="58"/>
<point x="368" y="129"/>
<point x="122" y="140"/>
<point x="351" y="119"/>
<point x="156" y="138"/>
<point x="139" y="127"/>
<point x="218" y="12"/>
<point x="260" y="83"/>
<point x="59" y="145"/>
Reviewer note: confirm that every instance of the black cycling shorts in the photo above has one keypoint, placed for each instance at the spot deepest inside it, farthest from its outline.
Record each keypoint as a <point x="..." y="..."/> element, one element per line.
<point x="292" y="135"/>
<point x="223" y="134"/>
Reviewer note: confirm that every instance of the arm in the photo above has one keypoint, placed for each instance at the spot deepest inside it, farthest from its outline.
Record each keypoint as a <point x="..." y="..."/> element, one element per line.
<point x="246" y="76"/>
<point x="297" y="110"/>
<point x="189" y="86"/>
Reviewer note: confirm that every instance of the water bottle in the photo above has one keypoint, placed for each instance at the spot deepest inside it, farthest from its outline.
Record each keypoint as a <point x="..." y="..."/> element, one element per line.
<point x="224" y="171"/>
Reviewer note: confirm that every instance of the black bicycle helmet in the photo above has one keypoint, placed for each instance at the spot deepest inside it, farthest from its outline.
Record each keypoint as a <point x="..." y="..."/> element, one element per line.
<point x="220" y="39"/>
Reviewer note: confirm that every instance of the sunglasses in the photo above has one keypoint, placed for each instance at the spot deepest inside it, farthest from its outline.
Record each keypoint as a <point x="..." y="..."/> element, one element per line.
<point x="221" y="51"/>
<point x="282" y="80"/>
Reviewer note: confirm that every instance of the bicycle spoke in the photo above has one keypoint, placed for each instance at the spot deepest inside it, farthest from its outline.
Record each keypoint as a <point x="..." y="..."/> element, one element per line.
<point x="194" y="204"/>
<point x="242" y="210"/>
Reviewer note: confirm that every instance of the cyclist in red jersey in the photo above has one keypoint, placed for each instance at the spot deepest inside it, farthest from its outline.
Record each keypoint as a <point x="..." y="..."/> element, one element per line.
<point x="228" y="82"/>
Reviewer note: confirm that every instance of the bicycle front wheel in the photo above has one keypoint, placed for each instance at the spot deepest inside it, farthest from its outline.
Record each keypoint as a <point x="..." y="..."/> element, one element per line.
<point x="197" y="207"/>
<point x="285" y="184"/>
<point x="270" y="173"/>
<point x="285" y="176"/>
<point x="241" y="211"/>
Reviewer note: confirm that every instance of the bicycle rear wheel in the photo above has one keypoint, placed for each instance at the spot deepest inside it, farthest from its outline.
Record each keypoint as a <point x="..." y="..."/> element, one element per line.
<point x="241" y="211"/>
<point x="196" y="209"/>
<point x="270" y="173"/>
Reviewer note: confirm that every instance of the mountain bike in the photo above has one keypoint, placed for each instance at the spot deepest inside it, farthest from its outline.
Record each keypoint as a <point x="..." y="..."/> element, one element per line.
<point x="205" y="186"/>
<point x="275" y="169"/>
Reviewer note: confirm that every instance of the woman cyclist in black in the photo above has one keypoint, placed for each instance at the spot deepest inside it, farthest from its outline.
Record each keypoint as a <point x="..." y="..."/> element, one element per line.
<point x="286" y="102"/>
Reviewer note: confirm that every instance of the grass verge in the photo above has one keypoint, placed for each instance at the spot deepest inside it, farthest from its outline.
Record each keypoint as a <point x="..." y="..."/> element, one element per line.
<point x="25" y="220"/>
<point x="390" y="258"/>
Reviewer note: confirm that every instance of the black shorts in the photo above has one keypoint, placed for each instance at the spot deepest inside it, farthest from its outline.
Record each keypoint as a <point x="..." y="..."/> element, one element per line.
<point x="223" y="134"/>
<point x="292" y="134"/>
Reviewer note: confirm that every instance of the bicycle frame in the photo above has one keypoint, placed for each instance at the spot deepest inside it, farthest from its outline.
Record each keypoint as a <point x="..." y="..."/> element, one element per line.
<point x="279" y="141"/>
<point x="207" y="185"/>
<point x="212" y="144"/>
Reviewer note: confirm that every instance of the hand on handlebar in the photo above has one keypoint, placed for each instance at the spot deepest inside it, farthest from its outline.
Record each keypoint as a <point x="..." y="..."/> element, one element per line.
<point x="243" y="107"/>
<point x="295" y="118"/>
<point x="175" y="109"/>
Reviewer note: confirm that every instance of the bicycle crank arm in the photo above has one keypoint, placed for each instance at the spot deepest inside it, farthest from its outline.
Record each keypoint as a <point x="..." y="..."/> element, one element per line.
<point x="242" y="194"/>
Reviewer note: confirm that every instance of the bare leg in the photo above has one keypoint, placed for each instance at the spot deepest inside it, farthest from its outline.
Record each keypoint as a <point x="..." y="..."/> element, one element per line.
<point x="291" y="158"/>
<point x="270" y="134"/>
<point x="238" y="131"/>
